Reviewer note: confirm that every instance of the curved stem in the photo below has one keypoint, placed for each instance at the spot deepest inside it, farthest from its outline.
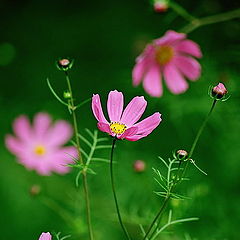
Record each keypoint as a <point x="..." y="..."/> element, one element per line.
<point x="84" y="174"/>
<point x="181" y="11"/>
<point x="114" y="192"/>
<point x="160" y="212"/>
<point x="201" y="129"/>
<point x="182" y="173"/>
<point x="196" y="23"/>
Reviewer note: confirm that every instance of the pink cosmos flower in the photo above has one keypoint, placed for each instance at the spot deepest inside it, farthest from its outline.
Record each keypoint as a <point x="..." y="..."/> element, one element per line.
<point x="123" y="123"/>
<point x="170" y="56"/>
<point x="45" y="236"/>
<point x="39" y="147"/>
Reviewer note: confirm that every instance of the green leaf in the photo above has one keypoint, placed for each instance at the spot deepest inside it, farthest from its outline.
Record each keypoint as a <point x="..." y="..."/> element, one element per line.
<point x="55" y="94"/>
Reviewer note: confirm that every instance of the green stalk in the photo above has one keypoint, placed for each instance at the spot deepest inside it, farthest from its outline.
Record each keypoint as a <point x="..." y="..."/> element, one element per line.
<point x="84" y="174"/>
<point x="196" y="23"/>
<point x="114" y="192"/>
<point x="166" y="200"/>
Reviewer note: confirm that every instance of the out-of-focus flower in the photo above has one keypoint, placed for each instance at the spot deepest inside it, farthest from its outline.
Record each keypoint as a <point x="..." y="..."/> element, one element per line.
<point x="39" y="147"/>
<point x="219" y="91"/>
<point x="139" y="166"/>
<point x="123" y="124"/>
<point x="64" y="64"/>
<point x="45" y="236"/>
<point x="160" y="5"/>
<point x="170" y="56"/>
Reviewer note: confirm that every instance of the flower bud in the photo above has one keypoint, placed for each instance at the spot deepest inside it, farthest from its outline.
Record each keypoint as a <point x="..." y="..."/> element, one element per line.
<point x="67" y="95"/>
<point x="35" y="190"/>
<point x="160" y="6"/>
<point x="182" y="154"/>
<point x="219" y="91"/>
<point x="64" y="64"/>
<point x="139" y="166"/>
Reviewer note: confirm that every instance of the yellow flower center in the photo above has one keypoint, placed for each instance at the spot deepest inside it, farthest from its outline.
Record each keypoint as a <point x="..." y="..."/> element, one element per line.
<point x="164" y="54"/>
<point x="117" y="127"/>
<point x="40" y="150"/>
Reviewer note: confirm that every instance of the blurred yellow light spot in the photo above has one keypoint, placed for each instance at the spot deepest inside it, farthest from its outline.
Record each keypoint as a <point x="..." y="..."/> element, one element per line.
<point x="40" y="150"/>
<point x="164" y="54"/>
<point x="117" y="127"/>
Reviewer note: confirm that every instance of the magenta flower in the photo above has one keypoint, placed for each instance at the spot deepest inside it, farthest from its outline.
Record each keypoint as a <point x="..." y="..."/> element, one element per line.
<point x="170" y="56"/>
<point x="39" y="147"/>
<point x="123" y="123"/>
<point x="45" y="236"/>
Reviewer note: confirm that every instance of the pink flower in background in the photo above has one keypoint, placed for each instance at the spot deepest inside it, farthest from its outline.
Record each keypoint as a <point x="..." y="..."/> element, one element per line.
<point x="39" y="147"/>
<point x="123" y="123"/>
<point x="45" y="236"/>
<point x="170" y="56"/>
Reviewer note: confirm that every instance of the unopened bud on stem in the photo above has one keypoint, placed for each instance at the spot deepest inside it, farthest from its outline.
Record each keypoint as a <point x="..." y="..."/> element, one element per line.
<point x="64" y="64"/>
<point x="219" y="91"/>
<point x="182" y="154"/>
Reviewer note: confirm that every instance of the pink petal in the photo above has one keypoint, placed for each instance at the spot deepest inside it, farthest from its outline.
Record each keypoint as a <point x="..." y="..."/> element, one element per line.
<point x="174" y="80"/>
<point x="97" y="109"/>
<point x="22" y="128"/>
<point x="170" y="38"/>
<point x="104" y="127"/>
<point x="146" y="126"/>
<point x="115" y="105"/>
<point x="152" y="81"/>
<point x="14" y="145"/>
<point x="42" y="165"/>
<point x="41" y="124"/>
<point x="29" y="162"/>
<point x="59" y="134"/>
<point x="129" y="132"/>
<point x="189" y="47"/>
<point x="138" y="71"/>
<point x="188" y="66"/>
<point x="133" y="111"/>
<point x="61" y="158"/>
<point x="45" y="236"/>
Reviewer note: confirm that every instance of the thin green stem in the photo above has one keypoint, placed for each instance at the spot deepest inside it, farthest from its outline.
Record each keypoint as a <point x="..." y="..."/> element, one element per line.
<point x="196" y="23"/>
<point x="201" y="129"/>
<point x="197" y="138"/>
<point x="114" y="192"/>
<point x="75" y="125"/>
<point x="159" y="214"/>
<point x="84" y="174"/>
<point x="181" y="11"/>
<point x="181" y="176"/>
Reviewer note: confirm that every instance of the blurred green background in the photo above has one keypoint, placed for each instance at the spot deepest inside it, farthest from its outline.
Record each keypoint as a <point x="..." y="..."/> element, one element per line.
<point x="104" y="38"/>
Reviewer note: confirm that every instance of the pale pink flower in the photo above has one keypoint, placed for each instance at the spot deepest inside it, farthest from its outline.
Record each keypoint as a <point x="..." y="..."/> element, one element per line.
<point x="170" y="56"/>
<point x="39" y="147"/>
<point x="45" y="236"/>
<point x="122" y="124"/>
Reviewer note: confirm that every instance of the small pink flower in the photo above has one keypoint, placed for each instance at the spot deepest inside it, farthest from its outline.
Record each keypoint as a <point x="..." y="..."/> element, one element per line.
<point x="123" y="123"/>
<point x="170" y="56"/>
<point x="45" y="236"/>
<point x="39" y="147"/>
